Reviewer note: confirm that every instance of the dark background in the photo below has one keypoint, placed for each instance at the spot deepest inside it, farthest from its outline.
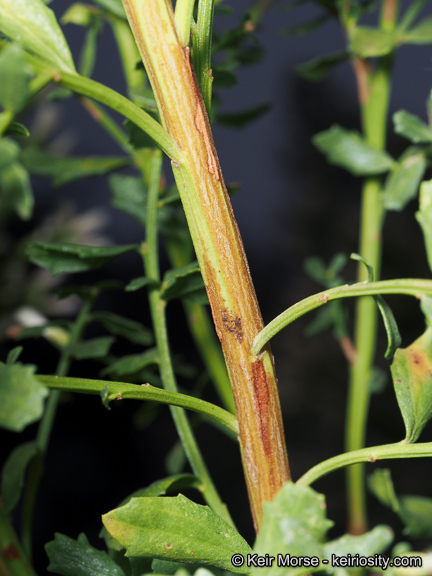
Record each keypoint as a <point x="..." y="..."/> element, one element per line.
<point x="292" y="205"/>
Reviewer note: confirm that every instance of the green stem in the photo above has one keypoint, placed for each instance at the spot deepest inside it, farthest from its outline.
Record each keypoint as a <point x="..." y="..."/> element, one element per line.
<point x="12" y="559"/>
<point x="202" y="49"/>
<point x="374" y="105"/>
<point x="44" y="433"/>
<point x="409" y="287"/>
<point x="104" y="119"/>
<point x="145" y="392"/>
<point x="183" y="20"/>
<point x="385" y="452"/>
<point x="157" y="308"/>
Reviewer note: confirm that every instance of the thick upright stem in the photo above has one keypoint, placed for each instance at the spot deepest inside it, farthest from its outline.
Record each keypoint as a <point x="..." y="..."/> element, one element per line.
<point x="218" y="247"/>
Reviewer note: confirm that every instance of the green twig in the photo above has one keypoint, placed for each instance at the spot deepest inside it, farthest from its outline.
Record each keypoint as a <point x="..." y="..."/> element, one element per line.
<point x="183" y="20"/>
<point x="157" y="308"/>
<point x="373" y="454"/>
<point x="145" y="392"/>
<point x="408" y="287"/>
<point x="202" y="50"/>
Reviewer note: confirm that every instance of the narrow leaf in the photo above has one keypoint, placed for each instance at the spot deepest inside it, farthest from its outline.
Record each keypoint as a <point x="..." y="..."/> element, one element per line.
<point x="93" y="348"/>
<point x="404" y="180"/>
<point x="70" y="557"/>
<point x="13" y="474"/>
<point x="175" y="529"/>
<point x="13" y="355"/>
<point x="307" y="27"/>
<point x="34" y="26"/>
<point x="17" y="130"/>
<point x="411" y="127"/>
<point x="420" y="34"/>
<point x="120" y="326"/>
<point x="350" y="151"/>
<point x="371" y="42"/>
<point x="185" y="282"/>
<point x="113" y="6"/>
<point x="412" y="378"/>
<point x="70" y="258"/>
<point x="21" y="396"/>
<point x="131" y="364"/>
<point x="138" y="283"/>
<point x="63" y="170"/>
<point x="393" y="336"/>
<point x="317" y="69"/>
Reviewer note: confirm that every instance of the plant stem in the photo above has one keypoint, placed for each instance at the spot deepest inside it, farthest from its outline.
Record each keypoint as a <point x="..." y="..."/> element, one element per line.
<point x="44" y="432"/>
<point x="145" y="392"/>
<point x="218" y="247"/>
<point x="12" y="559"/>
<point x="409" y="287"/>
<point x="202" y="49"/>
<point x="374" y="98"/>
<point x="157" y="309"/>
<point x="372" y="454"/>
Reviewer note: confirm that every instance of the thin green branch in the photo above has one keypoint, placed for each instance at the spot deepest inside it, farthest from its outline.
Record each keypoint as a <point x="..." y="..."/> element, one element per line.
<point x="373" y="454"/>
<point x="202" y="50"/>
<point x="408" y="287"/>
<point x="183" y="20"/>
<point x="145" y="392"/>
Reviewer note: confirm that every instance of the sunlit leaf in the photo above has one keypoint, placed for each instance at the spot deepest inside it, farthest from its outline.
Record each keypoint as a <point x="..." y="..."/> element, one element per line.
<point x="70" y="557"/>
<point x="15" y="74"/>
<point x="13" y="474"/>
<point x="404" y="180"/>
<point x="175" y="529"/>
<point x="70" y="258"/>
<point x="64" y="169"/>
<point x="34" y="26"/>
<point x="21" y="396"/>
<point x="350" y="151"/>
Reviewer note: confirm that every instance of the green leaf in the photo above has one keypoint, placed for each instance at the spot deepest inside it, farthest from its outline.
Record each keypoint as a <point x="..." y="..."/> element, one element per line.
<point x="137" y="137"/>
<point x="141" y="282"/>
<point x="113" y="6"/>
<point x="70" y="557"/>
<point x="414" y="511"/>
<point x="185" y="282"/>
<point x="78" y="14"/>
<point x="294" y="521"/>
<point x="93" y="348"/>
<point x="71" y="258"/>
<point x="404" y="180"/>
<point x="317" y="69"/>
<point x="129" y="194"/>
<point x="13" y="355"/>
<point x="21" y="396"/>
<point x="424" y="217"/>
<point x="411" y="127"/>
<point x="350" y="151"/>
<point x="63" y="170"/>
<point x="13" y="474"/>
<point x="9" y="152"/>
<point x="412" y="378"/>
<point x="120" y="326"/>
<point x="243" y="118"/>
<point x="15" y="74"/>
<point x="131" y="364"/>
<point x="223" y="78"/>
<point x="34" y="26"/>
<point x="369" y="544"/>
<point x="15" y="190"/>
<point x="175" y="529"/>
<point x="371" y="42"/>
<point x="420" y="34"/>
<point x="307" y="27"/>
<point x="17" y="130"/>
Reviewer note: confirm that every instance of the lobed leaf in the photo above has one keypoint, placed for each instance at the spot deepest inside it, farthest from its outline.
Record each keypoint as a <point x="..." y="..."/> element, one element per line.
<point x="34" y="26"/>
<point x="71" y="258"/>
<point x="70" y="557"/>
<point x="21" y="396"/>
<point x="175" y="529"/>
<point x="350" y="151"/>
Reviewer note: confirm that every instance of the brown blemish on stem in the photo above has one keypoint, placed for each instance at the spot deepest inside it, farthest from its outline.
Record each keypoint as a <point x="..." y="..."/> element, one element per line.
<point x="262" y="401"/>
<point x="362" y="71"/>
<point x="233" y="325"/>
<point x="11" y="552"/>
